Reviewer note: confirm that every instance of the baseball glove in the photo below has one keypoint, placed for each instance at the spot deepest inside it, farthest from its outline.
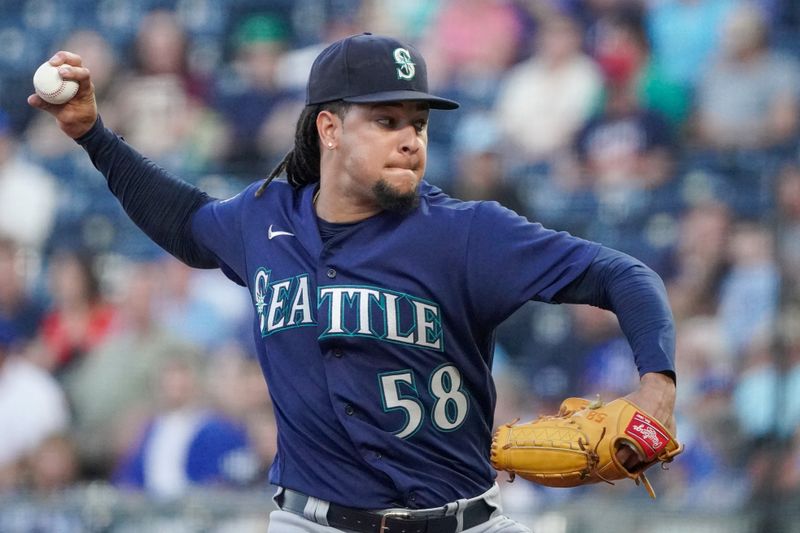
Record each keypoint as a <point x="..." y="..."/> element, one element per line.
<point x="578" y="445"/>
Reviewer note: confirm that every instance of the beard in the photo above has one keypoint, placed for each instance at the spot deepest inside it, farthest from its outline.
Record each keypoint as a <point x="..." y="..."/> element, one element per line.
<point x="391" y="200"/>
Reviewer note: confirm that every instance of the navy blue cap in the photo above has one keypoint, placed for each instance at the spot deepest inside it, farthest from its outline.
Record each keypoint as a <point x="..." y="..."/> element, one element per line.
<point x="370" y="68"/>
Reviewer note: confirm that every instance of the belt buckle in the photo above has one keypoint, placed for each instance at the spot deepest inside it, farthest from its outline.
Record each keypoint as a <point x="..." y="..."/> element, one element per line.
<point x="392" y="514"/>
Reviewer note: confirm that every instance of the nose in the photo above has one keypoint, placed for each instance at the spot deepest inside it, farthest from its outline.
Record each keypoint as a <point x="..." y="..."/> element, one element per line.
<point x="410" y="141"/>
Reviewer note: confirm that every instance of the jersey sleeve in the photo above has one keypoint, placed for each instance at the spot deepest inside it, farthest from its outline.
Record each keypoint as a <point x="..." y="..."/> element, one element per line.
<point x="511" y="261"/>
<point x="217" y="227"/>
<point x="159" y="203"/>
<point x="636" y="294"/>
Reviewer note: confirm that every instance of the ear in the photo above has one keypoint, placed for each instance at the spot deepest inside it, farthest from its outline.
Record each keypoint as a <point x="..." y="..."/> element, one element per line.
<point x="328" y="127"/>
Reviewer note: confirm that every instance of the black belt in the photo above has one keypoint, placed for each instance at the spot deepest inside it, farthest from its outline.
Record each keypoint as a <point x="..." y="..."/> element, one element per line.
<point x="340" y="517"/>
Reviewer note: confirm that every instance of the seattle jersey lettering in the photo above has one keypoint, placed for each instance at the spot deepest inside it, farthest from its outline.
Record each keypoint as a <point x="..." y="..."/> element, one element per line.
<point x="351" y="310"/>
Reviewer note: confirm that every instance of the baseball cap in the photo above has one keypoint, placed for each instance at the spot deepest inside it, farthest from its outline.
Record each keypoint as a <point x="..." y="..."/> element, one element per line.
<point x="368" y="68"/>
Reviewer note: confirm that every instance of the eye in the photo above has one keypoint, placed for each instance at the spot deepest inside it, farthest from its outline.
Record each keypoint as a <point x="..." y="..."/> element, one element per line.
<point x="386" y="122"/>
<point x="421" y="125"/>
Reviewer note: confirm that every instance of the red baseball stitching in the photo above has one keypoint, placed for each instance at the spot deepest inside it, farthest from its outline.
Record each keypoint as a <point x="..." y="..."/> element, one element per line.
<point x="61" y="88"/>
<point x="57" y="92"/>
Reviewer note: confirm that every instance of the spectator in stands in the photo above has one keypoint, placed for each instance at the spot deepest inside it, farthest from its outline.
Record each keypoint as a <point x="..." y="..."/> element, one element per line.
<point x="789" y="475"/>
<point x="409" y="19"/>
<point x="790" y="343"/>
<point x="625" y="154"/>
<point x="755" y="394"/>
<point x="32" y="408"/>
<point x="544" y="100"/>
<point x="699" y="260"/>
<point x="788" y="245"/>
<point x="479" y="165"/>
<point x="234" y="383"/>
<point x="705" y="478"/>
<point x="470" y="44"/>
<point x="184" y="443"/>
<point x="606" y="366"/>
<point x="625" y="147"/>
<point x="20" y="314"/>
<point x="685" y="34"/>
<point x="262" y="436"/>
<point x="708" y="370"/>
<point x="709" y="473"/>
<point x="752" y="282"/>
<point x="622" y="48"/>
<point x="592" y="13"/>
<point x="749" y="97"/>
<point x="111" y="390"/>
<point x="184" y="308"/>
<point x="767" y="406"/>
<point x="257" y="111"/>
<point x="24" y="184"/>
<point x="79" y="317"/>
<point x="159" y="105"/>
<point x="235" y="388"/>
<point x="53" y="466"/>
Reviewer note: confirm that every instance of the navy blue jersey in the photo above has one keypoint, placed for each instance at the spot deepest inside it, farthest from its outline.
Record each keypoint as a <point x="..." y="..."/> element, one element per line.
<point x="377" y="345"/>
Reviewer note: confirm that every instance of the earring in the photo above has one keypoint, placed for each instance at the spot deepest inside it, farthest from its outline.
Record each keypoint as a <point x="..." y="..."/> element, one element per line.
<point x="330" y="145"/>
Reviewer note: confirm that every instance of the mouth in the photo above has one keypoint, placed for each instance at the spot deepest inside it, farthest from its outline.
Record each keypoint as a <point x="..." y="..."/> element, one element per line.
<point x="413" y="169"/>
<point x="401" y="170"/>
<point x="401" y="177"/>
<point x="411" y="165"/>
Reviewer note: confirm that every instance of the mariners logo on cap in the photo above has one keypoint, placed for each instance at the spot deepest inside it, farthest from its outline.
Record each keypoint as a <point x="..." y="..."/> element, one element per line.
<point x="405" y="67"/>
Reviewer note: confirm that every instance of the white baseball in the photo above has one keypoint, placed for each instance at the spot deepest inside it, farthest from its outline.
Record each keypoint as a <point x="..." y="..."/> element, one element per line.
<point x="51" y="87"/>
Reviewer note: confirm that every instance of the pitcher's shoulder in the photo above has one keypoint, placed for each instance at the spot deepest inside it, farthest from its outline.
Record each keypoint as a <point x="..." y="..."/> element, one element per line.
<point x="433" y="197"/>
<point x="434" y="200"/>
<point x="278" y="191"/>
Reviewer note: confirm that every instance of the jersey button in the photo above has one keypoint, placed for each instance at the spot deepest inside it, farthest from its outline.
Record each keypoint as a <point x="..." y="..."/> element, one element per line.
<point x="348" y="410"/>
<point x="331" y="273"/>
<point x="338" y="352"/>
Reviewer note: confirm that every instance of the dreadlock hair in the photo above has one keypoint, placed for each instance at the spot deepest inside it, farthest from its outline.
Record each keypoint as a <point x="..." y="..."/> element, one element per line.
<point x="301" y="163"/>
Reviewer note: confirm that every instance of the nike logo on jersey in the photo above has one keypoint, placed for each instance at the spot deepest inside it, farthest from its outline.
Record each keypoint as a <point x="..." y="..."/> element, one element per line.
<point x="271" y="234"/>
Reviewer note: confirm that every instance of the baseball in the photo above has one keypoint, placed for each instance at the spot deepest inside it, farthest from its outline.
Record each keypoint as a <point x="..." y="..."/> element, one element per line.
<point x="50" y="87"/>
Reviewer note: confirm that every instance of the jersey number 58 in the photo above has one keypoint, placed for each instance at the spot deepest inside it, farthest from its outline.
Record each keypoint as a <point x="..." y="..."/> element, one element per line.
<point x="450" y="401"/>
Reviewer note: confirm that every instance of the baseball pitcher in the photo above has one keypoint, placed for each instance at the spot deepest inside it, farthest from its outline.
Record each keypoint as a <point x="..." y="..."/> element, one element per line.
<point x="375" y="300"/>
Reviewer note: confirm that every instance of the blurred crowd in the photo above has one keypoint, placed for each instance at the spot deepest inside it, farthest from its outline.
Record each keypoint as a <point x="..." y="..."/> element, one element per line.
<point x="668" y="129"/>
